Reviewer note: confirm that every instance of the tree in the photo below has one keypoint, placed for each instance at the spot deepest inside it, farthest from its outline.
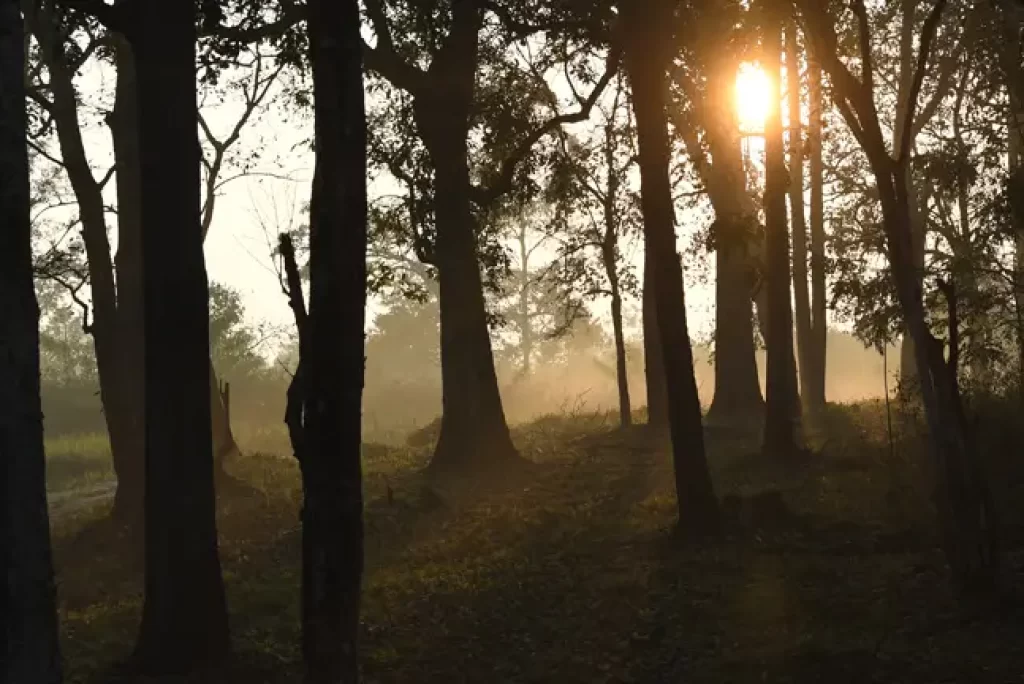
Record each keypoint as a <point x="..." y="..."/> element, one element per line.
<point x="29" y="650"/>
<point x="599" y="194"/>
<point x="324" y="414"/>
<point x="646" y="51"/>
<point x="809" y="367"/>
<point x="716" y="39"/>
<point x="962" y="495"/>
<point x="67" y="42"/>
<point x="816" y="356"/>
<point x="782" y="415"/>
<point x="184" y="617"/>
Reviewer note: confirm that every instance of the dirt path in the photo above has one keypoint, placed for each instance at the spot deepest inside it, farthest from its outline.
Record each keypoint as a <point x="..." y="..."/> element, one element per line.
<point x="67" y="503"/>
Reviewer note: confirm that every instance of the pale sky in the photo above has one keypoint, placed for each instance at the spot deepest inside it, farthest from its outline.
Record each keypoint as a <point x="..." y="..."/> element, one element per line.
<point x="252" y="210"/>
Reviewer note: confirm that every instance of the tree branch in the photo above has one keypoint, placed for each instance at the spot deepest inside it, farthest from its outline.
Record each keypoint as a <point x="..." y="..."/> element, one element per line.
<point x="502" y="184"/>
<point x="928" y="32"/>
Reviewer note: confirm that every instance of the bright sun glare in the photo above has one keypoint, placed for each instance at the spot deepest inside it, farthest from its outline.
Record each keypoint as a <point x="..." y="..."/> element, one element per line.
<point x="753" y="97"/>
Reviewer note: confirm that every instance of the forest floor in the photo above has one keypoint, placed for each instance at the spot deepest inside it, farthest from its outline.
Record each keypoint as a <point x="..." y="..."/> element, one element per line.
<point x="571" y="573"/>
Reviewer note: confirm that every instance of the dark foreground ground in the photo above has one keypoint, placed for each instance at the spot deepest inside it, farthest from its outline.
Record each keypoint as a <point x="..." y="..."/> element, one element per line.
<point x="571" y="573"/>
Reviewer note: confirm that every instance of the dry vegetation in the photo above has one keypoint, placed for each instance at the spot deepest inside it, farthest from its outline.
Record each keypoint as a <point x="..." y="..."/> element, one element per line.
<point x="569" y="572"/>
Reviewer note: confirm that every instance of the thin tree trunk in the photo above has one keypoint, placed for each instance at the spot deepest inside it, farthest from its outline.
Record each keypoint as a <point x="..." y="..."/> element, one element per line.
<point x="621" y="373"/>
<point x="801" y="290"/>
<point x="184" y="617"/>
<point x="332" y="516"/>
<point x="783" y="403"/>
<point x="819" y="322"/>
<point x="525" y="321"/>
<point x="647" y="58"/>
<point x="29" y="650"/>
<point x="654" y="362"/>
<point x="474" y="432"/>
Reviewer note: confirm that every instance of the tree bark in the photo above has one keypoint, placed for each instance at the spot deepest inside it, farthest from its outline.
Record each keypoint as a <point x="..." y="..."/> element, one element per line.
<point x="647" y="56"/>
<point x="783" y="403"/>
<point x="819" y="321"/>
<point x="332" y="515"/>
<point x="654" y="362"/>
<point x="621" y="373"/>
<point x="184" y="617"/>
<point x="801" y="289"/>
<point x="474" y="432"/>
<point x="130" y="376"/>
<point x="29" y="648"/>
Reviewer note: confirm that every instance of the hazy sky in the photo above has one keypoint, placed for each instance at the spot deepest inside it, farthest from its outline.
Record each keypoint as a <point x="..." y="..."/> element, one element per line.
<point x="252" y="210"/>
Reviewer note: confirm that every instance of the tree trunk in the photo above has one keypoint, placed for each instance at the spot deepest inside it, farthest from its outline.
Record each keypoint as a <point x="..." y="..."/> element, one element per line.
<point x="474" y="432"/>
<point x="783" y="403"/>
<point x="117" y="405"/>
<point x="1015" y="146"/>
<point x="332" y="514"/>
<point x="738" y="399"/>
<point x="801" y="290"/>
<point x="966" y="514"/>
<point x="908" y="367"/>
<point x="184" y="617"/>
<point x="819" y="321"/>
<point x="130" y="408"/>
<point x="621" y="373"/>
<point x="29" y="650"/>
<point x="654" y="363"/>
<point x="647" y="56"/>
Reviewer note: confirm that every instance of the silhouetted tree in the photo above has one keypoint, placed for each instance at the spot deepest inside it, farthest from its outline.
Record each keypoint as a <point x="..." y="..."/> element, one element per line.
<point x="184" y="617"/>
<point x="782" y="413"/>
<point x="647" y="53"/>
<point x="962" y="494"/>
<point x="29" y="649"/>
<point x="324" y="413"/>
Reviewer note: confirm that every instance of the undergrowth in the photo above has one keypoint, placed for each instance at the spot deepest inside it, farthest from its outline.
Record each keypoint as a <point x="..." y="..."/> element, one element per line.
<point x="573" y="574"/>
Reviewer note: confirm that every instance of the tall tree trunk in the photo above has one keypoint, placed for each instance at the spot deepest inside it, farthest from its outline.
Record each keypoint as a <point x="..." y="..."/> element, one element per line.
<point x="130" y="379"/>
<point x="908" y="366"/>
<point x="184" y="617"/>
<point x="29" y="650"/>
<point x="738" y="399"/>
<point x="783" y="403"/>
<point x="647" y="56"/>
<point x="525" y="320"/>
<point x="654" y="362"/>
<point x="819" y="322"/>
<point x="621" y="372"/>
<point x="801" y="290"/>
<point x="474" y="432"/>
<point x="1011" y="63"/>
<point x="332" y="515"/>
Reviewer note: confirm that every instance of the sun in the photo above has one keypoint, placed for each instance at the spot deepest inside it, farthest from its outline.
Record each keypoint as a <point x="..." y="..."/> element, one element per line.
<point x="753" y="97"/>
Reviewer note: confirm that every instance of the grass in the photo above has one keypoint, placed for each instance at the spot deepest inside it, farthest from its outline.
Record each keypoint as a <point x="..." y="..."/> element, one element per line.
<point x="573" y="575"/>
<point x="77" y="461"/>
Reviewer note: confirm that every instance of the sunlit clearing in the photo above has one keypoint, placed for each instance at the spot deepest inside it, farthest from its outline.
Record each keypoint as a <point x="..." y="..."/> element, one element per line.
<point x="753" y="97"/>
